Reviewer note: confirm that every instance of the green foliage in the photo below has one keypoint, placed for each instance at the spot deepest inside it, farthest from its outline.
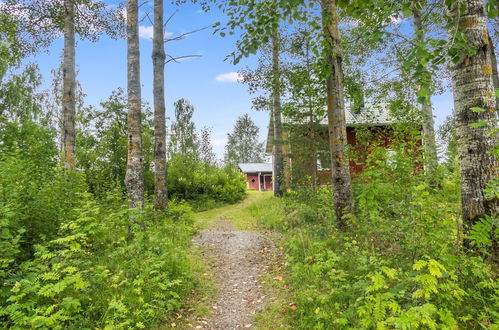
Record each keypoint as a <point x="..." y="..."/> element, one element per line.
<point x="183" y="139"/>
<point x="484" y="231"/>
<point x="100" y="271"/>
<point x="242" y="144"/>
<point x="192" y="173"/>
<point x="203" y="185"/>
<point x="10" y="52"/>
<point x="69" y="259"/>
<point x="397" y="266"/>
<point x="102" y="147"/>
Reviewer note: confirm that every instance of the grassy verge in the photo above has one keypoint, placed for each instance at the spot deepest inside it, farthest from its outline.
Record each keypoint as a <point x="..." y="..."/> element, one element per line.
<point x="395" y="267"/>
<point x="240" y="215"/>
<point x="197" y="304"/>
<point x="276" y="314"/>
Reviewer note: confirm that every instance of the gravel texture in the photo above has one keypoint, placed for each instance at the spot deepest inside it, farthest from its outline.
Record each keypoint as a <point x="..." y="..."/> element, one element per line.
<point x="240" y="257"/>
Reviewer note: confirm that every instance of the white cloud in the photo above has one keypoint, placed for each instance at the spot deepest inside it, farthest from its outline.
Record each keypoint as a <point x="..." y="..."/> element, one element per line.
<point x="229" y="77"/>
<point x="147" y="32"/>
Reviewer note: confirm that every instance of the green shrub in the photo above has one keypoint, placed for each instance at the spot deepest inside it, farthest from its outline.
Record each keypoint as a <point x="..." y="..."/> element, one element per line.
<point x="396" y="266"/>
<point x="100" y="273"/>
<point x="70" y="261"/>
<point x="202" y="185"/>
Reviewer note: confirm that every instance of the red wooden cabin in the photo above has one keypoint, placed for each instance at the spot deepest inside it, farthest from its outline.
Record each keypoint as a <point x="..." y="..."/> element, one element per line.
<point x="258" y="175"/>
<point x="302" y="161"/>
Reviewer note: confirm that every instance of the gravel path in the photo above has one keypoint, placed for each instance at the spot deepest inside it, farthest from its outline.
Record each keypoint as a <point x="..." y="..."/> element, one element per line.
<point x="240" y="257"/>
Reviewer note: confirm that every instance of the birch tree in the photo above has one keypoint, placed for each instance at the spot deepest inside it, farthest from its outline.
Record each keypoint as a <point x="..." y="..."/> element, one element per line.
<point x="257" y="30"/>
<point x="340" y="168"/>
<point x="158" y="58"/>
<point x="69" y="87"/>
<point x="242" y="144"/>
<point x="475" y="112"/>
<point x="134" y="179"/>
<point x="183" y="139"/>
<point x="278" y="164"/>
<point x="40" y="22"/>
<point x="206" y="154"/>
<point x="429" y="144"/>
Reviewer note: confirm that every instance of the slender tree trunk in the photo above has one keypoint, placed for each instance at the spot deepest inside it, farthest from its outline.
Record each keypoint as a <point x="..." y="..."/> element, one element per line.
<point x="429" y="144"/>
<point x="340" y="168"/>
<point x="276" y="96"/>
<point x="312" y="127"/>
<point x="473" y="87"/>
<point x="134" y="179"/>
<point x="158" y="59"/>
<point x="69" y="87"/>
<point x="314" y="148"/>
<point x="495" y="73"/>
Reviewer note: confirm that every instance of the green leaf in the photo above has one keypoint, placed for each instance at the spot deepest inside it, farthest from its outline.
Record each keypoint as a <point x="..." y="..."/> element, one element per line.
<point x="478" y="124"/>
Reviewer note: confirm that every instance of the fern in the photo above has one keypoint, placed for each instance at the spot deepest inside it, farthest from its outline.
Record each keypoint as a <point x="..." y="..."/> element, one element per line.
<point x="483" y="231"/>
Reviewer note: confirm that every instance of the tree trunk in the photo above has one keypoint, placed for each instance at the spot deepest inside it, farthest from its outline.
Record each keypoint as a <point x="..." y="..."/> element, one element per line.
<point x="473" y="87"/>
<point x="312" y="126"/>
<point x="158" y="59"/>
<point x="314" y="148"/>
<point x="429" y="144"/>
<point x="69" y="87"/>
<point x="340" y="168"/>
<point x="276" y="96"/>
<point x="495" y="73"/>
<point x="134" y="179"/>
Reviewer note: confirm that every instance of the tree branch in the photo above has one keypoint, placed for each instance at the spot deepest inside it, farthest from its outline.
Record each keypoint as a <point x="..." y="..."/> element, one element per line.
<point x="170" y="18"/>
<point x="148" y="18"/>
<point x="175" y="59"/>
<point x="183" y="35"/>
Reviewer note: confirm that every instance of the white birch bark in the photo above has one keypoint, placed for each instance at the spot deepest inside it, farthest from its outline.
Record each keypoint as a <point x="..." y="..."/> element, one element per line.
<point x="473" y="87"/>
<point x="340" y="167"/>
<point x="429" y="143"/>
<point x="69" y="87"/>
<point x="134" y="179"/>
<point x="158" y="58"/>
<point x="276" y="97"/>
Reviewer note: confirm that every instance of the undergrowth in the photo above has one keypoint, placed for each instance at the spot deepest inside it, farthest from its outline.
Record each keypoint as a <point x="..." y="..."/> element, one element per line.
<point x="398" y="265"/>
<point x="86" y="265"/>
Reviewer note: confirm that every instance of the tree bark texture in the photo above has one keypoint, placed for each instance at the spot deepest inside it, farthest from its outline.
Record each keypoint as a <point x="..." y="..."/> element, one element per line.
<point x="474" y="87"/>
<point x="134" y="179"/>
<point x="429" y="143"/>
<point x="314" y="148"/>
<point x="69" y="87"/>
<point x="158" y="58"/>
<point x="495" y="73"/>
<point x="340" y="168"/>
<point x="312" y="127"/>
<point x="276" y="96"/>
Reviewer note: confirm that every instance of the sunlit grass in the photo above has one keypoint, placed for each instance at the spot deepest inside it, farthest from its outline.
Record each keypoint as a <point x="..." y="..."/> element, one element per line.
<point x="239" y="214"/>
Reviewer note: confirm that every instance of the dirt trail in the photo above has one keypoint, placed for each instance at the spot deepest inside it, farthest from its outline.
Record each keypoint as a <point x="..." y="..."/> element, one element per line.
<point x="239" y="258"/>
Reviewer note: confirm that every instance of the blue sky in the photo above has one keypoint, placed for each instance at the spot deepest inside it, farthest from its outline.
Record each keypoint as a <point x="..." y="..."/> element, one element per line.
<point x="217" y="102"/>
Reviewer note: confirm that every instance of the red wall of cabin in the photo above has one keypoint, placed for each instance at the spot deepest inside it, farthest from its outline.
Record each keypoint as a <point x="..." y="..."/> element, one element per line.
<point x="381" y="134"/>
<point x="252" y="181"/>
